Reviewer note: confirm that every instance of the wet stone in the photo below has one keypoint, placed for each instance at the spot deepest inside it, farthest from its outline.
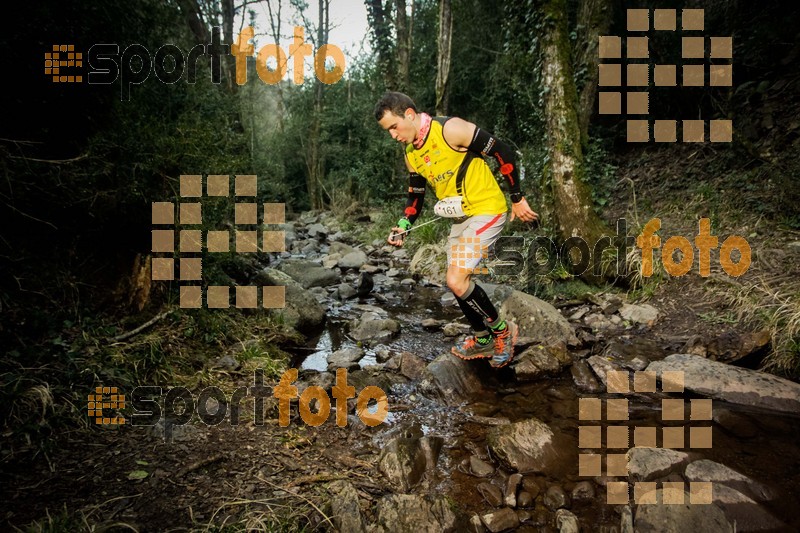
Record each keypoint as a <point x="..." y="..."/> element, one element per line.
<point x="555" y="498"/>
<point x="480" y="468"/>
<point x="491" y="494"/>
<point x="512" y="483"/>
<point x="567" y="522"/>
<point x="583" y="492"/>
<point x="734" y="423"/>
<point x="500" y="520"/>
<point x="524" y="499"/>
<point x="584" y="378"/>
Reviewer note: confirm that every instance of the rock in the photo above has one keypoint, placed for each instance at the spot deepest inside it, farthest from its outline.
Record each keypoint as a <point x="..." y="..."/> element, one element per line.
<point x="302" y="310"/>
<point x="399" y="254"/>
<point x="555" y="498"/>
<point x="537" y="362"/>
<point x="524" y="499"/>
<point x="430" y="262"/>
<point x="524" y="516"/>
<point x="431" y="324"/>
<point x="538" y="320"/>
<point x="510" y="495"/>
<point x="341" y="249"/>
<point x="501" y="520"/>
<point x="412" y="366"/>
<point x="528" y="446"/>
<point x="346" y="291"/>
<point x="382" y="353"/>
<point x="392" y="273"/>
<point x="453" y="329"/>
<point x="364" y="284"/>
<point x="639" y="314"/>
<point x="674" y="518"/>
<point x="567" y="522"/>
<point x="371" y="327"/>
<point x="370" y="269"/>
<point x="733" y="384"/>
<point x="705" y="470"/>
<point x="626" y="520"/>
<point x="354" y="259"/>
<point x="732" y="346"/>
<point x="447" y="299"/>
<point x="346" y="358"/>
<point x="598" y="321"/>
<point x="634" y="354"/>
<point x="480" y="468"/>
<point x="584" y="379"/>
<point x="580" y="313"/>
<point x="413" y="513"/>
<point x="491" y="494"/>
<point x="743" y="511"/>
<point x="531" y="486"/>
<point x="309" y="274"/>
<point x="331" y="260"/>
<point x="645" y="464"/>
<point x="455" y="379"/>
<point x="317" y="231"/>
<point x="346" y="513"/>
<point x="601" y="367"/>
<point x="402" y="461"/>
<point x="475" y="524"/>
<point x="583" y="492"/>
<point x="226" y="362"/>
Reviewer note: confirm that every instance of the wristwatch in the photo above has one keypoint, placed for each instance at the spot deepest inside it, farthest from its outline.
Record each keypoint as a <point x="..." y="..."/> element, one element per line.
<point x="516" y="197"/>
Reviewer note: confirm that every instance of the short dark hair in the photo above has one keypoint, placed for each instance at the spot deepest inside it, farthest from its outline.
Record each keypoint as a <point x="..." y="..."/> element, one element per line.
<point x="395" y="102"/>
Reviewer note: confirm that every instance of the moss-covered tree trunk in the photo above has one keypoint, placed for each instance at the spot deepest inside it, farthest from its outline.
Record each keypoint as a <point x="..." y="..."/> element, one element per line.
<point x="445" y="47"/>
<point x="594" y="20"/>
<point x="573" y="213"/>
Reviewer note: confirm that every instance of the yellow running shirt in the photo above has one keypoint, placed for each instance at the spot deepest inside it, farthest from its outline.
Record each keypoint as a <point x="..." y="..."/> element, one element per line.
<point x="439" y="163"/>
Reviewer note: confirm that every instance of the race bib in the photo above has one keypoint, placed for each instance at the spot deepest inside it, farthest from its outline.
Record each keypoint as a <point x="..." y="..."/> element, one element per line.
<point x="449" y="207"/>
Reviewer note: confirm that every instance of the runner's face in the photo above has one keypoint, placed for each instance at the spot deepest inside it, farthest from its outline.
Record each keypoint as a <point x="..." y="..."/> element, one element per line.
<point x="401" y="128"/>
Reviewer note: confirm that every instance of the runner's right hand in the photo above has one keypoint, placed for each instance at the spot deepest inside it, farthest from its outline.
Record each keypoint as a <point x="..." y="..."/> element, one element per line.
<point x="396" y="237"/>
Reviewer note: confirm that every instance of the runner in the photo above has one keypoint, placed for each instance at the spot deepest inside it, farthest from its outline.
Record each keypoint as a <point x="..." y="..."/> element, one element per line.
<point x="448" y="154"/>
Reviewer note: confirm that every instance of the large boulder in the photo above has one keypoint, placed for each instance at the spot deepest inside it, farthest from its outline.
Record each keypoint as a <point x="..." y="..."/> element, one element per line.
<point x="705" y="470"/>
<point x="645" y="464"/>
<point x="732" y="384"/>
<point x="430" y="262"/>
<point x="410" y="513"/>
<point x="405" y="459"/>
<point x="530" y="446"/>
<point x="539" y="361"/>
<point x="539" y="321"/>
<point x="456" y="380"/>
<point x="302" y="311"/>
<point x="309" y="274"/>
<point x="679" y="518"/>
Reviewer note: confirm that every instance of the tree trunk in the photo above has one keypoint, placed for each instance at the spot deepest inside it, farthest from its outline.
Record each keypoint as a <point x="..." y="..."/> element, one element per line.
<point x="227" y="38"/>
<point x="594" y="20"/>
<point x="194" y="18"/>
<point x="571" y="199"/>
<point x="376" y="14"/>
<point x="275" y="27"/>
<point x="403" y="45"/>
<point x="445" y="44"/>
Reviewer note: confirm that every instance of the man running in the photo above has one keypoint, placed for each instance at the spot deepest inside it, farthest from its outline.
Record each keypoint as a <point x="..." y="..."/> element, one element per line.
<point x="448" y="154"/>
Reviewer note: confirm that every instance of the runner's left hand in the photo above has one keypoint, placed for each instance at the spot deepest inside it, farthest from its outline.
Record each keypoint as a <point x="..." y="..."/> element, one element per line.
<point x="523" y="211"/>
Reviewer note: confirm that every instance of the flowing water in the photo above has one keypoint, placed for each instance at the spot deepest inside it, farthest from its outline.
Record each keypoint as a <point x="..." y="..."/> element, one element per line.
<point x="767" y="448"/>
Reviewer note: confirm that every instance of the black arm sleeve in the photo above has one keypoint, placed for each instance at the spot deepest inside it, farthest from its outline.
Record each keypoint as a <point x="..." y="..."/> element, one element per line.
<point x="416" y="196"/>
<point x="485" y="143"/>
